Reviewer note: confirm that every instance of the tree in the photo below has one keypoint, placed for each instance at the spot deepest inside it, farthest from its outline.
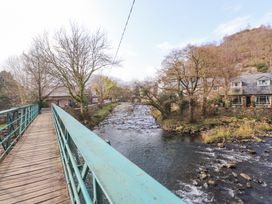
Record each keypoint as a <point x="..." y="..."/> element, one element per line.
<point x="171" y="76"/>
<point x="208" y="72"/>
<point x="15" y="66"/>
<point x="8" y="91"/>
<point x="190" y="69"/>
<point x="182" y="74"/>
<point x="104" y="87"/>
<point x="41" y="80"/>
<point x="227" y="61"/>
<point x="74" y="56"/>
<point x="160" y="101"/>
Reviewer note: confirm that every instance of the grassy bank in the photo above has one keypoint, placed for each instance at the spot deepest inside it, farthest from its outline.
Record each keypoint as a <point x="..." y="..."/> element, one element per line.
<point x="177" y="125"/>
<point x="96" y="114"/>
<point x="100" y="114"/>
<point x="241" y="130"/>
<point x="219" y="128"/>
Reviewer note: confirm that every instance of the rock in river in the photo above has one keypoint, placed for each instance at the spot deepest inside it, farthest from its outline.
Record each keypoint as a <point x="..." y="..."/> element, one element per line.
<point x="231" y="164"/>
<point x="248" y="185"/>
<point x="245" y="176"/>
<point x="251" y="151"/>
<point x="203" y="175"/>
<point x="211" y="182"/>
<point x="221" y="145"/>
<point x="234" y="174"/>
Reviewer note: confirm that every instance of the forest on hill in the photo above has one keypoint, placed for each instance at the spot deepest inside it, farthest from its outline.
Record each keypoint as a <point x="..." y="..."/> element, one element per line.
<point x="252" y="48"/>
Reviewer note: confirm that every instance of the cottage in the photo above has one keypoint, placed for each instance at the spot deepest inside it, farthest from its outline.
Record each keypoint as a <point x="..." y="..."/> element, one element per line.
<point x="60" y="96"/>
<point x="252" y="90"/>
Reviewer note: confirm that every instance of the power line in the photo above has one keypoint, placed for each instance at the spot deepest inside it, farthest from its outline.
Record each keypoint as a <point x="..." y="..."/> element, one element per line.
<point x="124" y="30"/>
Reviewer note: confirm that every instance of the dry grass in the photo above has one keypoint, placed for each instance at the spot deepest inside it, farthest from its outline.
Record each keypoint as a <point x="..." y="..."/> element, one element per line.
<point x="245" y="130"/>
<point x="241" y="130"/>
<point x="218" y="134"/>
<point x="263" y="126"/>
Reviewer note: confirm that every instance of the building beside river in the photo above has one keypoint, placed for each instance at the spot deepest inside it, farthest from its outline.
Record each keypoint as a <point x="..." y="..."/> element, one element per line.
<point x="60" y="96"/>
<point x="251" y="90"/>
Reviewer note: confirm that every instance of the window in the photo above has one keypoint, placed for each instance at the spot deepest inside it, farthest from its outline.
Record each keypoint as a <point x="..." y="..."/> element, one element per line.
<point x="264" y="82"/>
<point x="262" y="100"/>
<point x="236" y="84"/>
<point x="237" y="100"/>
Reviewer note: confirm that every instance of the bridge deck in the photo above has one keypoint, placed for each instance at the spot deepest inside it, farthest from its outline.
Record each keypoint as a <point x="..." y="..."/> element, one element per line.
<point x="32" y="172"/>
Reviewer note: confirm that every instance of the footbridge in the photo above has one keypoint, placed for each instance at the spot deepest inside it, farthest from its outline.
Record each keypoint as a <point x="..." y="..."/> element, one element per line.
<point x="52" y="158"/>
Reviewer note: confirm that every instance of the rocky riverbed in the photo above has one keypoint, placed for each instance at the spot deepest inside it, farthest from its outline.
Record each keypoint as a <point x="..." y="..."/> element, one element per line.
<point x="197" y="172"/>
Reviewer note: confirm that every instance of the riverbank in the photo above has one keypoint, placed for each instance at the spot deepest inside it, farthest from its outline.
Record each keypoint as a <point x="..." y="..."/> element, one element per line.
<point x="100" y="114"/>
<point x="219" y="129"/>
<point x="96" y="114"/>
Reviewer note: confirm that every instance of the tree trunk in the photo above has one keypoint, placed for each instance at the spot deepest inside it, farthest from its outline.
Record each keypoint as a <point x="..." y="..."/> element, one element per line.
<point x="180" y="103"/>
<point x="226" y="95"/>
<point x="180" y="98"/>
<point x="204" y="97"/>
<point x="191" y="109"/>
<point x="83" y="108"/>
<point x="101" y="101"/>
<point x="40" y="102"/>
<point x="204" y="106"/>
<point x="205" y="94"/>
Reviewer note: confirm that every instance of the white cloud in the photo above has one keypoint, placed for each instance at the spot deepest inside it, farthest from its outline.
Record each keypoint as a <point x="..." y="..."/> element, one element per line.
<point x="232" y="26"/>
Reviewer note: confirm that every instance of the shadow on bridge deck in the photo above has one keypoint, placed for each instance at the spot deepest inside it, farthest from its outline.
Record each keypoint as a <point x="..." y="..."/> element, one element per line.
<point x="32" y="172"/>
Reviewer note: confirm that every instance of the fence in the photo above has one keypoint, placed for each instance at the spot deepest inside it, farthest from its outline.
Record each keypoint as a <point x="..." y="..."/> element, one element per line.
<point x="14" y="123"/>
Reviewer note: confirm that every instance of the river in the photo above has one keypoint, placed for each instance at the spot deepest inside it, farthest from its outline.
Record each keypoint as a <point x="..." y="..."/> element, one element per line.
<point x="197" y="172"/>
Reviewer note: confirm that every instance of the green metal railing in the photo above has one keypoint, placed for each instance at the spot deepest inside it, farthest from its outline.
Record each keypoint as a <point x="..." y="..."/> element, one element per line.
<point x="16" y="120"/>
<point x="96" y="173"/>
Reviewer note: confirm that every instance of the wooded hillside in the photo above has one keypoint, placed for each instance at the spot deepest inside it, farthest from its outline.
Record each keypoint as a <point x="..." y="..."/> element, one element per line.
<point x="252" y="47"/>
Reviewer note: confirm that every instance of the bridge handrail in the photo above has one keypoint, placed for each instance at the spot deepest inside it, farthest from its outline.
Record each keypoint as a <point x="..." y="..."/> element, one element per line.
<point x="14" y="108"/>
<point x="111" y="174"/>
<point x="17" y="120"/>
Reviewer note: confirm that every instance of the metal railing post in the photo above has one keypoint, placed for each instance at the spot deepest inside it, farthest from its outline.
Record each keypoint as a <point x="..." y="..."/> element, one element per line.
<point x="21" y="121"/>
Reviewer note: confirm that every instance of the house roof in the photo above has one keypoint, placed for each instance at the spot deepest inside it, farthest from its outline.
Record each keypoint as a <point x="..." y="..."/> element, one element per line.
<point x="250" y="83"/>
<point x="60" y="92"/>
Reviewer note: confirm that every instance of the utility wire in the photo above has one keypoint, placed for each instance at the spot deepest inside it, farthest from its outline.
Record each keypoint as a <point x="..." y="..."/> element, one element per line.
<point x="123" y="33"/>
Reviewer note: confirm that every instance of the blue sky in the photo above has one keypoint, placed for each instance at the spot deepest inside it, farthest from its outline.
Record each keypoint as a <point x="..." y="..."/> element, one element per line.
<point x="155" y="27"/>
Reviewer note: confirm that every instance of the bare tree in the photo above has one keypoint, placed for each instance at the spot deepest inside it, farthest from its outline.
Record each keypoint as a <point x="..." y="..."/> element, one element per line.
<point x="150" y="96"/>
<point x="227" y="60"/>
<point x="75" y="55"/>
<point x="171" y="76"/>
<point x="208" y="71"/>
<point x="15" y="66"/>
<point x="38" y="70"/>
<point x="182" y="68"/>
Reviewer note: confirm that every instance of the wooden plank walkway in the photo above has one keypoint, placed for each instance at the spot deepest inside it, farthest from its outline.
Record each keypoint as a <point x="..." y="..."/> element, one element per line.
<point x="32" y="172"/>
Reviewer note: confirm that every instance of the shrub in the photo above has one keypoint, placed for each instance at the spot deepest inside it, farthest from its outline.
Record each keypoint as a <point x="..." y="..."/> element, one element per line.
<point x="170" y="124"/>
<point x="217" y="135"/>
<point x="245" y="130"/>
<point x="262" y="67"/>
<point x="263" y="126"/>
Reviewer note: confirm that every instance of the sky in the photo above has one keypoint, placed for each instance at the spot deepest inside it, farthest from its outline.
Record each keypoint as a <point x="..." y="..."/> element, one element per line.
<point x="155" y="27"/>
